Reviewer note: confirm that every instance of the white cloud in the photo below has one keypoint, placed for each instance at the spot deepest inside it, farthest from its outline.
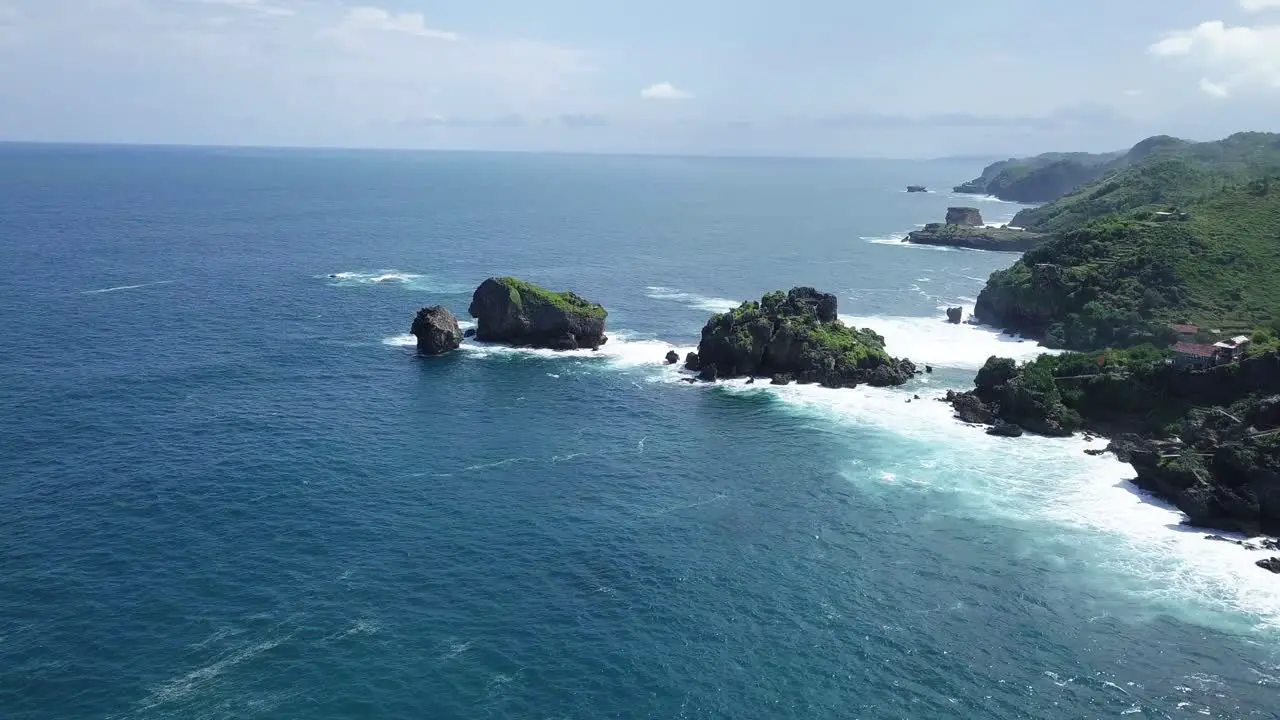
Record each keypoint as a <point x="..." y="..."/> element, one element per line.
<point x="1259" y="5"/>
<point x="664" y="91"/>
<point x="255" y="5"/>
<point x="1212" y="88"/>
<point x="1238" y="58"/>
<point x="371" y="19"/>
<point x="1132" y="92"/>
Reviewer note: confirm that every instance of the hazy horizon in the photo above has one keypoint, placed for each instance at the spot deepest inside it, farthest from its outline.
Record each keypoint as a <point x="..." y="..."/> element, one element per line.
<point x="818" y="78"/>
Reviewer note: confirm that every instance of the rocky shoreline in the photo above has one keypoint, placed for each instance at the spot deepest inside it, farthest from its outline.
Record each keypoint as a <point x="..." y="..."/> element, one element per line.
<point x="1206" y="441"/>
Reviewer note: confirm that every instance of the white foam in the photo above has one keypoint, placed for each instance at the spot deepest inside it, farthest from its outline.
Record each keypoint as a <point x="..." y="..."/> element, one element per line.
<point x="982" y="198"/>
<point x="938" y="342"/>
<point x="1139" y="541"/>
<point x="899" y="239"/>
<point x="409" y="280"/>
<point x="700" y="302"/>
<point x="400" y="341"/>
<point x="623" y="349"/>
<point x="118" y="288"/>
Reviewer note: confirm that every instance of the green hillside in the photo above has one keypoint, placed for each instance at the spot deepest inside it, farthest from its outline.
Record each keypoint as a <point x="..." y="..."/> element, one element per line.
<point x="1158" y="172"/>
<point x="1120" y="280"/>
<point x="1041" y="178"/>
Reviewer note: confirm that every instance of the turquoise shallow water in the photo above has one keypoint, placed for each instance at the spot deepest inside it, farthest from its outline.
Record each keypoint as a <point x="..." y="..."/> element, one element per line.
<point x="230" y="490"/>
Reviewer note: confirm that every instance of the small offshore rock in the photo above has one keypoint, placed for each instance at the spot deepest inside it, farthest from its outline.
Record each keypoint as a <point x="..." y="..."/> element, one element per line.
<point x="1272" y="564"/>
<point x="928" y="368"/>
<point x="708" y="374"/>
<point x="470" y="333"/>
<point x="780" y="379"/>
<point x="751" y="380"/>
<point x="691" y="361"/>
<point x="436" y="330"/>
<point x="955" y="315"/>
<point x="672" y="357"/>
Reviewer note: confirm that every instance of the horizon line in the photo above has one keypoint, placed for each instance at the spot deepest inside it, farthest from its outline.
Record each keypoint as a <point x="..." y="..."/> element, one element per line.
<point x="962" y="157"/>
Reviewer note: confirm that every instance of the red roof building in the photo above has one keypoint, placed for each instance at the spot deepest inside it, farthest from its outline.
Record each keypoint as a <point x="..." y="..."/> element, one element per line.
<point x="1188" y="354"/>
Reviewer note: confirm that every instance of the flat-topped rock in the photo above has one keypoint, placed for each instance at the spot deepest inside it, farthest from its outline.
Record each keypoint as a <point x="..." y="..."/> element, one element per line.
<point x="966" y="216"/>
<point x="514" y="312"/>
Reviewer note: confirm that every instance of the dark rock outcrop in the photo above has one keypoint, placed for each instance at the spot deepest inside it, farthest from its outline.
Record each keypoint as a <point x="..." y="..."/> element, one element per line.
<point x="672" y="357"/>
<point x="1003" y="394"/>
<point x="518" y="313"/>
<point x="781" y="379"/>
<point x="437" y="330"/>
<point x="1272" y="564"/>
<point x="796" y="334"/>
<point x="955" y="315"/>
<point x="691" y="361"/>
<point x="917" y="189"/>
<point x="966" y="216"/>
<point x="470" y="333"/>
<point x="976" y="238"/>
<point x="1008" y="430"/>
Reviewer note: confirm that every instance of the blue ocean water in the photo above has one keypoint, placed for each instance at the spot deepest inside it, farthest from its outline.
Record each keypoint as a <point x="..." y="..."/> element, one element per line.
<point x="229" y="488"/>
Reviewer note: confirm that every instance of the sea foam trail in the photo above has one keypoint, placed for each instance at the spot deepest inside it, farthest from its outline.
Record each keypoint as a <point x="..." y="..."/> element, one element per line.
<point x="412" y="281"/>
<point x="624" y="349"/>
<point x="1052" y="481"/>
<point x="700" y="302"/>
<point x="118" y="288"/>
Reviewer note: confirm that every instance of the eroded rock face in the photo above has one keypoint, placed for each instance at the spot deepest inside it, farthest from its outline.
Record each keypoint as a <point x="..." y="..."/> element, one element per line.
<point x="966" y="216"/>
<point x="796" y="334"/>
<point x="514" y="312"/>
<point x="955" y="315"/>
<point x="437" y="330"/>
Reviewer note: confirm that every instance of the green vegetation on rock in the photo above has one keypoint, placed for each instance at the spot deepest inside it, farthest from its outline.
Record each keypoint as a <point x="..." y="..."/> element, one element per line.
<point x="795" y="336"/>
<point x="1121" y="280"/>
<point x="524" y="292"/>
<point x="1159" y="172"/>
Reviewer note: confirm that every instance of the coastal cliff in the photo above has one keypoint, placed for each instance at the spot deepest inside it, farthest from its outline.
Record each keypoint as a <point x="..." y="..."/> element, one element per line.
<point x="1042" y="178"/>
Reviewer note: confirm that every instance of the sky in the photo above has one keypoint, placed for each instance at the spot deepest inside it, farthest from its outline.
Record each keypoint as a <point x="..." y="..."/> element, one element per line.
<point x="883" y="78"/>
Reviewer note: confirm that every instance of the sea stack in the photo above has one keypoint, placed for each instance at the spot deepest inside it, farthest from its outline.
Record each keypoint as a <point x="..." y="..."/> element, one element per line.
<point x="964" y="216"/>
<point x="795" y="335"/>
<point x="518" y="313"/>
<point x="955" y="315"/>
<point x="437" y="330"/>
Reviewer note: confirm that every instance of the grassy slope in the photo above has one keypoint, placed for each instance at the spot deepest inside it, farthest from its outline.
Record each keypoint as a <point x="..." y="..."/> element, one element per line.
<point x="1118" y="280"/>
<point x="1161" y="172"/>
<point x="569" y="302"/>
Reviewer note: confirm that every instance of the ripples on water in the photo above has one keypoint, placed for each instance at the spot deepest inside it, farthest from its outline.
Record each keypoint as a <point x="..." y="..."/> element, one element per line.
<point x="232" y="490"/>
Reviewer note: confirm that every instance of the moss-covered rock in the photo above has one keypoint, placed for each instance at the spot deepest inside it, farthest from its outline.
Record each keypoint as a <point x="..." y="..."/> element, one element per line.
<point x="516" y="312"/>
<point x="796" y="334"/>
